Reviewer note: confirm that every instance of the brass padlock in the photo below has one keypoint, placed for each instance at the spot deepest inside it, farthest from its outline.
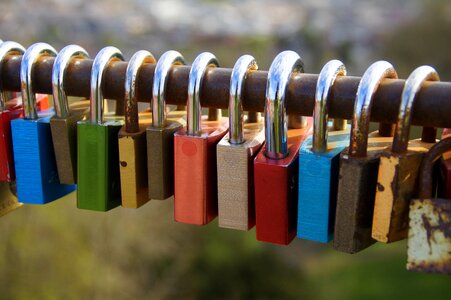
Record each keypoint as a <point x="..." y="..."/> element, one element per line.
<point x="398" y="167"/>
<point x="235" y="156"/>
<point x="132" y="139"/>
<point x="359" y="165"/>
<point x="160" y="135"/>
<point x="64" y="123"/>
<point x="429" y="235"/>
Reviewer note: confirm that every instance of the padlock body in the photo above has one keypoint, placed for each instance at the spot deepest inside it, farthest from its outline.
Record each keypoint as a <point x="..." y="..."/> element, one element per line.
<point x="133" y="168"/>
<point x="356" y="196"/>
<point x="34" y="158"/>
<point x="429" y="242"/>
<point x="98" y="179"/>
<point x="160" y="159"/>
<point x="8" y="201"/>
<point x="396" y="184"/>
<point x="276" y="191"/>
<point x="195" y="182"/>
<point x="318" y="185"/>
<point x="236" y="197"/>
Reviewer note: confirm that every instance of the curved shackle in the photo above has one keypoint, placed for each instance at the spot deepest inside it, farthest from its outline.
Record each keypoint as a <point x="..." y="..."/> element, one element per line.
<point x="194" y="110"/>
<point x="62" y="61"/>
<point x="364" y="101"/>
<point x="282" y="68"/>
<point x="7" y="48"/>
<point x="241" y="69"/>
<point x="412" y="86"/>
<point x="29" y="59"/>
<point x="131" y="77"/>
<point x="160" y="79"/>
<point x="326" y="80"/>
<point x="101" y="61"/>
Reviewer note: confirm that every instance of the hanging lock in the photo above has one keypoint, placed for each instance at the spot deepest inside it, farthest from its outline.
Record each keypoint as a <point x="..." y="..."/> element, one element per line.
<point x="132" y="139"/>
<point x="445" y="170"/>
<point x="429" y="234"/>
<point x="98" y="152"/>
<point x="398" y="167"/>
<point x="195" y="189"/>
<point x="34" y="157"/>
<point x="64" y="122"/>
<point x="235" y="155"/>
<point x="276" y="165"/>
<point x="160" y="136"/>
<point x="359" y="165"/>
<point x="319" y="163"/>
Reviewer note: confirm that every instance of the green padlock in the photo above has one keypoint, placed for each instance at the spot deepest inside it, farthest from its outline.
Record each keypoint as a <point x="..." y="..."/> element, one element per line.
<point x="98" y="154"/>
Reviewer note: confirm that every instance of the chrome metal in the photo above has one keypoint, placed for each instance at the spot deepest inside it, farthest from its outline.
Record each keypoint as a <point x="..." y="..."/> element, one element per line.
<point x="282" y="68"/>
<point x="7" y="48"/>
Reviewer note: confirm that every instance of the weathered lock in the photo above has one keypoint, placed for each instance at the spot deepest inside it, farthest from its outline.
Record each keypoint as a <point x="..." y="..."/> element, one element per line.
<point x="359" y="164"/>
<point x="319" y="164"/>
<point x="98" y="152"/>
<point x="276" y="165"/>
<point x="429" y="234"/>
<point x="8" y="112"/>
<point x="160" y="135"/>
<point x="132" y="139"/>
<point x="64" y="122"/>
<point x="235" y="155"/>
<point x="398" y="167"/>
<point x="445" y="170"/>
<point x="34" y="158"/>
<point x="195" y="188"/>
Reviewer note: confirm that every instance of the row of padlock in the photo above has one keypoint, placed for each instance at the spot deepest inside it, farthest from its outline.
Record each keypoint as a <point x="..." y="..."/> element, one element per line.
<point x="287" y="175"/>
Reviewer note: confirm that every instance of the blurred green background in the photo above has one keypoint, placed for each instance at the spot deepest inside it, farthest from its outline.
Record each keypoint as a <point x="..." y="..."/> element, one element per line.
<point x="58" y="252"/>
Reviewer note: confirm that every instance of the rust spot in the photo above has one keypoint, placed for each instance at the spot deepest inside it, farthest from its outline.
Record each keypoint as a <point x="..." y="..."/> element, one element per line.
<point x="380" y="187"/>
<point x="123" y="164"/>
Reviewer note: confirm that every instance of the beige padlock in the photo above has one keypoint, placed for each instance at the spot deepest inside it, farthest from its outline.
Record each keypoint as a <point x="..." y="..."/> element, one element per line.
<point x="235" y="155"/>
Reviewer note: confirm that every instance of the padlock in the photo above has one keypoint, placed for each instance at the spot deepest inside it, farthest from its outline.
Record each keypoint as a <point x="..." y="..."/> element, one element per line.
<point x="235" y="155"/>
<point x="445" y="170"/>
<point x="429" y="234"/>
<point x="132" y="139"/>
<point x="195" y="182"/>
<point x="160" y="135"/>
<point x="34" y="158"/>
<point x="98" y="152"/>
<point x="398" y="166"/>
<point x="8" y="199"/>
<point x="359" y="164"/>
<point x="64" y="122"/>
<point x="319" y="163"/>
<point x="276" y="165"/>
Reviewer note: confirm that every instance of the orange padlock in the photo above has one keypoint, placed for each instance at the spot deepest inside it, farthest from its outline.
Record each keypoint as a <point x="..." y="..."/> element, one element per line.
<point x="195" y="184"/>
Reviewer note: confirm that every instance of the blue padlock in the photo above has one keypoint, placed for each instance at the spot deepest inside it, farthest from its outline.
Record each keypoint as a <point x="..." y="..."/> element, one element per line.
<point x="34" y="157"/>
<point x="319" y="163"/>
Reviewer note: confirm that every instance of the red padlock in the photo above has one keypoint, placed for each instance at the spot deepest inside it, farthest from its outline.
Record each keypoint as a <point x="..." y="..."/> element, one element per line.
<point x="276" y="165"/>
<point x="195" y="176"/>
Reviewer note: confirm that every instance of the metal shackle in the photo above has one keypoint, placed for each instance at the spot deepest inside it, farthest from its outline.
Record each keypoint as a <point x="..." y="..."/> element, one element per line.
<point x="412" y="86"/>
<point x="326" y="80"/>
<point x="131" y="98"/>
<point x="62" y="61"/>
<point x="160" y="79"/>
<point x="364" y="101"/>
<point x="241" y="69"/>
<point x="194" y="110"/>
<point x="7" y="48"/>
<point x="282" y="68"/>
<point x="101" y="61"/>
<point x="29" y="59"/>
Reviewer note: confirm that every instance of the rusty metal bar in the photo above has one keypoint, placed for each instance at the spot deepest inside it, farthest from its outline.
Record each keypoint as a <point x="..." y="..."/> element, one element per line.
<point x="432" y="108"/>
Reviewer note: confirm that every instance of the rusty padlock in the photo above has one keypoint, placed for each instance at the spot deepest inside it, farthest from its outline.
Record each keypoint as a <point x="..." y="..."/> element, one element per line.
<point x="160" y="135"/>
<point x="445" y="170"/>
<point x="359" y="165"/>
<point x="429" y="235"/>
<point x="132" y="139"/>
<point x="398" y="167"/>
<point x="235" y="155"/>
<point x="195" y="189"/>
<point x="319" y="163"/>
<point x="64" y="123"/>
<point x="276" y="165"/>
